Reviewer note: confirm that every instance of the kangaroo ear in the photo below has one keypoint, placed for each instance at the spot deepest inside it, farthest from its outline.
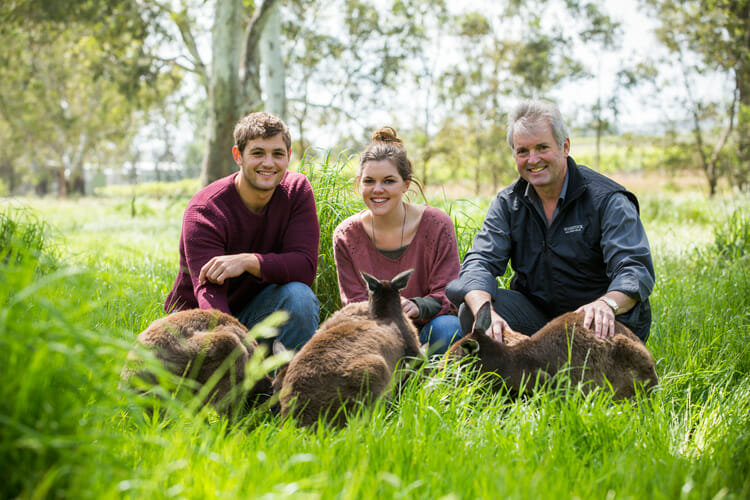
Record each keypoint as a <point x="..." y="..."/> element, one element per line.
<point x="278" y="348"/>
<point x="372" y="282"/>
<point x="400" y="280"/>
<point x="484" y="318"/>
<point x="470" y="347"/>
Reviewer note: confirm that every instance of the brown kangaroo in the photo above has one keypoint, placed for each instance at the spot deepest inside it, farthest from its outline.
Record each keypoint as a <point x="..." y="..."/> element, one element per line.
<point x="195" y="344"/>
<point x="350" y="360"/>
<point x="622" y="360"/>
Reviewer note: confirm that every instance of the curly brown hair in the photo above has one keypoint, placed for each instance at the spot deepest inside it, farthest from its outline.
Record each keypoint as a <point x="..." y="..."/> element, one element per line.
<point x="260" y="124"/>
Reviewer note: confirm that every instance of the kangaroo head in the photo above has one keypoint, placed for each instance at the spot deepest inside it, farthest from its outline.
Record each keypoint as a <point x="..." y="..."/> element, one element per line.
<point x="471" y="344"/>
<point x="384" y="297"/>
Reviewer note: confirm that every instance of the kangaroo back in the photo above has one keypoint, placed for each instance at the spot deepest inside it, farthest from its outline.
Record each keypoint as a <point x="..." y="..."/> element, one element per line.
<point x="195" y="344"/>
<point x="351" y="359"/>
<point x="621" y="361"/>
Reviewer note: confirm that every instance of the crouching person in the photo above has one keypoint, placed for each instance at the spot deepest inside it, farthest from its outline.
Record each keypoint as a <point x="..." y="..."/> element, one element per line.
<point x="249" y="242"/>
<point x="572" y="236"/>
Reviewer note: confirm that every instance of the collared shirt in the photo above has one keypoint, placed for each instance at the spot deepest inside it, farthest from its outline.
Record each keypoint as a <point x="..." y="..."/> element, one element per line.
<point x="531" y="195"/>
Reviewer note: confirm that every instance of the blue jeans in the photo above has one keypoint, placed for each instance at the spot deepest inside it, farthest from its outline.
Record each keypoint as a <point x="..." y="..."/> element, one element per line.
<point x="298" y="300"/>
<point x="440" y="333"/>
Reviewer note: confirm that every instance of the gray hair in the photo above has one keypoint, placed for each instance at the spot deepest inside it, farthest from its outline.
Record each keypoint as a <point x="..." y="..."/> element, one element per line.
<point x="528" y="113"/>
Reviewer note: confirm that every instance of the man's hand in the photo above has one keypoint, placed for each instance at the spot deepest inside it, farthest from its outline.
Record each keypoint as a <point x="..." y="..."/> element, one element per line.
<point x="474" y="300"/>
<point x="223" y="267"/>
<point x="498" y="327"/>
<point x="598" y="316"/>
<point x="410" y="308"/>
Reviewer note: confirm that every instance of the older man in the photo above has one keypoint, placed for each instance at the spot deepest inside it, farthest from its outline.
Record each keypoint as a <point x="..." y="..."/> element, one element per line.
<point x="573" y="238"/>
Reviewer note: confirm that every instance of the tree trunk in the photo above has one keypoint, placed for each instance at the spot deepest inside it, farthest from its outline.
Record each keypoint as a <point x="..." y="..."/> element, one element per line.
<point x="224" y="90"/>
<point x="742" y="172"/>
<point x="62" y="183"/>
<point x="273" y="64"/>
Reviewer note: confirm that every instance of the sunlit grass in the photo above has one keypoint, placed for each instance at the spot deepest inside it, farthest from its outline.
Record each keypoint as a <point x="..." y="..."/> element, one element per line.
<point x="91" y="275"/>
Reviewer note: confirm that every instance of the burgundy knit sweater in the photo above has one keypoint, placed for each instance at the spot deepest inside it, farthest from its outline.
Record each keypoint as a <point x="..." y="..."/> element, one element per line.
<point x="285" y="237"/>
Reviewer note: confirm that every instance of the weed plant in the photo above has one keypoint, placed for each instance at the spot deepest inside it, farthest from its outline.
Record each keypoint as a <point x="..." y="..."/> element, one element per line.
<point x="82" y="283"/>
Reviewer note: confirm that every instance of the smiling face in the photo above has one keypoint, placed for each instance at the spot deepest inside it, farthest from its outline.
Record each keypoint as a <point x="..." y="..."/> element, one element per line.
<point x="539" y="159"/>
<point x="262" y="164"/>
<point x="381" y="186"/>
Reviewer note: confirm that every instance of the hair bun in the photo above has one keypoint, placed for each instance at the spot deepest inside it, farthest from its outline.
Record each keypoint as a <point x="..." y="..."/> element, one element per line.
<point x="387" y="135"/>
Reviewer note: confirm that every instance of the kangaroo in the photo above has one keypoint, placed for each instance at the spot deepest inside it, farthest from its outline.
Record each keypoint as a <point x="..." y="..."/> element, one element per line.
<point x="622" y="360"/>
<point x="195" y="344"/>
<point x="351" y="358"/>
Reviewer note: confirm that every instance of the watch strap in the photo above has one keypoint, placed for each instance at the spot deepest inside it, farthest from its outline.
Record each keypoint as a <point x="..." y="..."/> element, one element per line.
<point x="611" y="303"/>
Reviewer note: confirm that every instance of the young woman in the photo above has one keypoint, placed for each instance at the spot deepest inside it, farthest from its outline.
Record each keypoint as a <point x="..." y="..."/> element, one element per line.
<point x="392" y="235"/>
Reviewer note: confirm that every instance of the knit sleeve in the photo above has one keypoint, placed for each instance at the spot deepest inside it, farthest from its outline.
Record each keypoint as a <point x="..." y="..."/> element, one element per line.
<point x="445" y="262"/>
<point x="204" y="239"/>
<point x="298" y="258"/>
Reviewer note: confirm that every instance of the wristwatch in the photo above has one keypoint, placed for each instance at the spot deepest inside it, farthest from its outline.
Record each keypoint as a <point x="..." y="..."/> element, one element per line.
<point x="611" y="303"/>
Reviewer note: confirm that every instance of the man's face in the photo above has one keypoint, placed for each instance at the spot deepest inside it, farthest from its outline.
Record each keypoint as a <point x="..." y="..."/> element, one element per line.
<point x="539" y="159"/>
<point x="263" y="163"/>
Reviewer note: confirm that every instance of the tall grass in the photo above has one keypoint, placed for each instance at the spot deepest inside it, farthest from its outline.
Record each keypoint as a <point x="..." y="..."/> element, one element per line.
<point x="81" y="284"/>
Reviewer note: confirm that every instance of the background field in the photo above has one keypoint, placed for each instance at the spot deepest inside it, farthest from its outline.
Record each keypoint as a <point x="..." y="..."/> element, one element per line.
<point x="82" y="277"/>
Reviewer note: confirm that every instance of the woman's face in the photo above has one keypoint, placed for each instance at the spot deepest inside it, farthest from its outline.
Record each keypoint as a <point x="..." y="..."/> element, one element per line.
<point x="381" y="186"/>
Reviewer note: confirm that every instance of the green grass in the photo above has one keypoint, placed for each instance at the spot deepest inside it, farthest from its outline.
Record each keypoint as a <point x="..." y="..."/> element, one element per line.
<point x="81" y="278"/>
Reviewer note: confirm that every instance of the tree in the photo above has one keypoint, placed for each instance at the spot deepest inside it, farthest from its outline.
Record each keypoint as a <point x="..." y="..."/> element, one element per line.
<point x="346" y="58"/>
<point x="234" y="80"/>
<point x="604" y="34"/>
<point x="73" y="81"/>
<point x="718" y="32"/>
<point x="496" y="68"/>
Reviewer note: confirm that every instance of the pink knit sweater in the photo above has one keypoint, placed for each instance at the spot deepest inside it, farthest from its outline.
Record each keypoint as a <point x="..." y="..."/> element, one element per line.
<point x="433" y="253"/>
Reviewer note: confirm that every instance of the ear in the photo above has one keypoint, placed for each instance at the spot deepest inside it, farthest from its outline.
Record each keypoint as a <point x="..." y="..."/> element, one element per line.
<point x="566" y="147"/>
<point x="278" y="348"/>
<point x="484" y="318"/>
<point x="399" y="282"/>
<point x="470" y="347"/>
<point x="372" y="282"/>
<point x="236" y="155"/>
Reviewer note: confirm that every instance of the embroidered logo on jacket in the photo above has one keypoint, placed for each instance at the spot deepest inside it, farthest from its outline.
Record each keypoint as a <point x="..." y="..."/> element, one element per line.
<point x="573" y="229"/>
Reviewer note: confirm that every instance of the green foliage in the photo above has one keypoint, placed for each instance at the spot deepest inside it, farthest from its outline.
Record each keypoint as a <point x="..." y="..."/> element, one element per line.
<point x="75" y="80"/>
<point x="732" y="239"/>
<point x="179" y="190"/>
<point x="22" y="236"/>
<point x="336" y="200"/>
<point x="67" y="431"/>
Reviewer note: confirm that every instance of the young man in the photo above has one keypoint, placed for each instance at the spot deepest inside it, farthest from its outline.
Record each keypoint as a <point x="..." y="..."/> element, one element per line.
<point x="249" y="242"/>
<point x="573" y="238"/>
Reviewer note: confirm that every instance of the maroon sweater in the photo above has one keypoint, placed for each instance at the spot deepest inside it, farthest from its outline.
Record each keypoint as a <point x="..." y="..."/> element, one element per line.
<point x="433" y="253"/>
<point x="284" y="236"/>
